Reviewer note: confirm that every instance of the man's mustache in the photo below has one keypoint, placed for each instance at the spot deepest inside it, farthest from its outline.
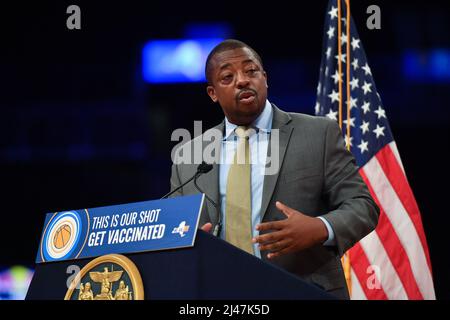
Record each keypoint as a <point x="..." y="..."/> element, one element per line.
<point x="238" y="95"/>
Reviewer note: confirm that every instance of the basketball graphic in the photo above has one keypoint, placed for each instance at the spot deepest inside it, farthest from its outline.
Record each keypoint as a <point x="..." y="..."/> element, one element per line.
<point x="62" y="236"/>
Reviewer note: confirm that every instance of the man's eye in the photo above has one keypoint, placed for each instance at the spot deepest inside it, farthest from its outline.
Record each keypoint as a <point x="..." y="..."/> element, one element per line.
<point x="227" y="77"/>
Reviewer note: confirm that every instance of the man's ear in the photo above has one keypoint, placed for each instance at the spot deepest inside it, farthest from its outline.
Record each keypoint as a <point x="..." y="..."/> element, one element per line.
<point x="211" y="93"/>
<point x="265" y="76"/>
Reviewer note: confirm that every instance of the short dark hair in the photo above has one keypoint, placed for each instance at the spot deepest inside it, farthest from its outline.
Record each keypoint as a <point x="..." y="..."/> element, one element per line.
<point x="229" y="44"/>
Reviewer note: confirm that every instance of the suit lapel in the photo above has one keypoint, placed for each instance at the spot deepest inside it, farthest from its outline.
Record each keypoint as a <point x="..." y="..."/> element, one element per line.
<point x="280" y="121"/>
<point x="210" y="181"/>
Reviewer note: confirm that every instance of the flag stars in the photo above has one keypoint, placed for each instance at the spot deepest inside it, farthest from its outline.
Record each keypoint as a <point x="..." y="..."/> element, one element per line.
<point x="380" y="112"/>
<point x="337" y="77"/>
<point x="354" y="83"/>
<point x="348" y="140"/>
<point x="366" y="69"/>
<point x="328" y="53"/>
<point x="379" y="131"/>
<point x="366" y="107"/>
<point x="342" y="57"/>
<point x="352" y="102"/>
<point x="333" y="13"/>
<point x="351" y="122"/>
<point x="363" y="146"/>
<point x="317" y="107"/>
<point x="355" y="43"/>
<point x="330" y="32"/>
<point x="332" y="115"/>
<point x="364" y="127"/>
<point x="343" y="38"/>
<point x="334" y="96"/>
<point x="366" y="87"/>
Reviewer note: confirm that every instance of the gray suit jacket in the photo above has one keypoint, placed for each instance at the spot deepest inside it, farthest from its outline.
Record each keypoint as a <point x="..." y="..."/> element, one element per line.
<point x="318" y="177"/>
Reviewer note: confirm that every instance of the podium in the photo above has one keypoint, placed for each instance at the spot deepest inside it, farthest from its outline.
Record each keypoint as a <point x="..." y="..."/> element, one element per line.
<point x="212" y="269"/>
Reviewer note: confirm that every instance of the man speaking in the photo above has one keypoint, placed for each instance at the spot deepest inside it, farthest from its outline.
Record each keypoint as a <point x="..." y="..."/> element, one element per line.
<point x="303" y="215"/>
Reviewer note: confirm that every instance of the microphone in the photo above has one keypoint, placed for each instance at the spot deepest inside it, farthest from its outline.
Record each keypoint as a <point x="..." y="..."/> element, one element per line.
<point x="208" y="167"/>
<point x="204" y="167"/>
<point x="201" y="169"/>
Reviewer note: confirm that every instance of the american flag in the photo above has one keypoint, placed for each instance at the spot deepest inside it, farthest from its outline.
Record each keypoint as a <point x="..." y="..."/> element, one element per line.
<point x="393" y="261"/>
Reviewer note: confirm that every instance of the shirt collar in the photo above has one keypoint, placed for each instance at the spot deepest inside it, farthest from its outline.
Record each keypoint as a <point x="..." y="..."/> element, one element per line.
<point x="262" y="123"/>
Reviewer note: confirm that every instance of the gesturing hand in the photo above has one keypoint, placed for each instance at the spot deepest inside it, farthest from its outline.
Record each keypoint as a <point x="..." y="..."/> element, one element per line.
<point x="297" y="232"/>
<point x="207" y="227"/>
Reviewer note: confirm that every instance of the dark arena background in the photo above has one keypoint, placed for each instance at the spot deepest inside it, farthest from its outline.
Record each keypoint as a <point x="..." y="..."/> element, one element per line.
<point x="81" y="126"/>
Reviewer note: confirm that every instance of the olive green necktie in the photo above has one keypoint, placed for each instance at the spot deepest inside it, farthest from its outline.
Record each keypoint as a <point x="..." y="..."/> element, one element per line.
<point x="238" y="228"/>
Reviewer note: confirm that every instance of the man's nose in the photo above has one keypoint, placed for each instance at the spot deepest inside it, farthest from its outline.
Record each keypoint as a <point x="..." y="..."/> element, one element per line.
<point x="242" y="80"/>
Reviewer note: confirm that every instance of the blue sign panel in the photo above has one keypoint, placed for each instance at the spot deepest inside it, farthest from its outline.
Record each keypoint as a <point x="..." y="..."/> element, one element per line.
<point x="134" y="227"/>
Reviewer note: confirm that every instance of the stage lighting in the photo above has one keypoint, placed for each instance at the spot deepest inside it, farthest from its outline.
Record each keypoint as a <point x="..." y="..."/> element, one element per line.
<point x="427" y="66"/>
<point x="175" y="61"/>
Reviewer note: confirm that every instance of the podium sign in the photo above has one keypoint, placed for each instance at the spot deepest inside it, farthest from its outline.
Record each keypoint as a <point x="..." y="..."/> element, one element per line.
<point x="134" y="227"/>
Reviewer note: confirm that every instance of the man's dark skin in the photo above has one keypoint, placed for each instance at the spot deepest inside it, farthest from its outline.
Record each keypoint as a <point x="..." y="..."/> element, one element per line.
<point x="238" y="83"/>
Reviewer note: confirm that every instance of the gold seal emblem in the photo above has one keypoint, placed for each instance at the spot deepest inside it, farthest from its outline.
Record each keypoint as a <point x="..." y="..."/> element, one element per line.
<point x="109" y="277"/>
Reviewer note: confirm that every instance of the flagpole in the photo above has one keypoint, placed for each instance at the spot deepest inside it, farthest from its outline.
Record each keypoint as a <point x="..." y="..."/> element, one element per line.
<point x="340" y="63"/>
<point x="347" y="265"/>
<point x="348" y="73"/>
<point x="346" y="258"/>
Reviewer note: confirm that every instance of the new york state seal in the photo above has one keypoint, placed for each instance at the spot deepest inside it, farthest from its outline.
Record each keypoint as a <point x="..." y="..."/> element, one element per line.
<point x="109" y="277"/>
